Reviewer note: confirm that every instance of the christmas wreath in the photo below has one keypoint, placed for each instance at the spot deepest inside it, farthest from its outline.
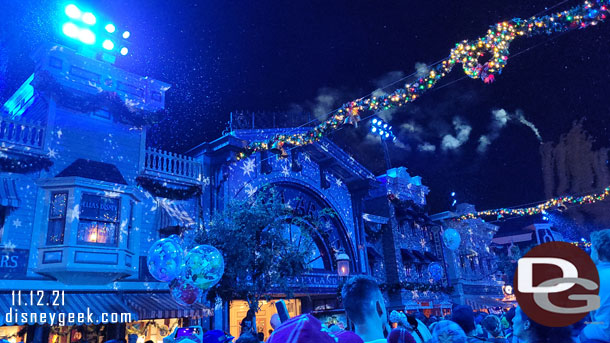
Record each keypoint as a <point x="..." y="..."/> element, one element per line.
<point x="160" y="189"/>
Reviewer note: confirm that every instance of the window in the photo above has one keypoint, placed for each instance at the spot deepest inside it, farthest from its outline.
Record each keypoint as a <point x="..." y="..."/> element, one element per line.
<point x="99" y="220"/>
<point x="57" y="218"/>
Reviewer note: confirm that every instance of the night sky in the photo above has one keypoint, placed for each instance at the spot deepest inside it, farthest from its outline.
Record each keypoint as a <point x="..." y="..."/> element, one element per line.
<point x="312" y="56"/>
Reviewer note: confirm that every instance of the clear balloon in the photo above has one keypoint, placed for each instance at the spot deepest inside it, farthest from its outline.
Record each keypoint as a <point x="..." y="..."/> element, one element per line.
<point x="204" y="266"/>
<point x="165" y="259"/>
<point x="184" y="291"/>
<point x="436" y="271"/>
<point x="452" y="239"/>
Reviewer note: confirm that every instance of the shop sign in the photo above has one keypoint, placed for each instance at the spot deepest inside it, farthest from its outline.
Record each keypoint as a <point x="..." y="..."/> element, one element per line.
<point x="13" y="262"/>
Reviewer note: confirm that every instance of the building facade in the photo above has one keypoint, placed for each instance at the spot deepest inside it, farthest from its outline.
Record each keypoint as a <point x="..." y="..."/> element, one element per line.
<point x="83" y="197"/>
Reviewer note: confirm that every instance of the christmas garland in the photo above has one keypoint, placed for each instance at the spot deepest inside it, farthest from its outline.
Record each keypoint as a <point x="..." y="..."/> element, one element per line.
<point x="559" y="202"/>
<point x="110" y="101"/>
<point x="493" y="46"/>
<point x="160" y="189"/>
<point x="25" y="165"/>
<point x="415" y="286"/>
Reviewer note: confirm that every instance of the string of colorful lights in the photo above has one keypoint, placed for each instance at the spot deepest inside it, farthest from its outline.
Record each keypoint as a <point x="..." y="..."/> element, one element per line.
<point x="550" y="204"/>
<point x="493" y="46"/>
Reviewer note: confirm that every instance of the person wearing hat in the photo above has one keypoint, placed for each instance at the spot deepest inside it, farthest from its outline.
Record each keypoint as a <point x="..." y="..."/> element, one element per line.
<point x="216" y="336"/>
<point x="307" y="329"/>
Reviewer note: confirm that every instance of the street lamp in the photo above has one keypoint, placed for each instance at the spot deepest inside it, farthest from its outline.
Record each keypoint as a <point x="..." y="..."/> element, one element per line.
<point x="342" y="264"/>
<point x="383" y="130"/>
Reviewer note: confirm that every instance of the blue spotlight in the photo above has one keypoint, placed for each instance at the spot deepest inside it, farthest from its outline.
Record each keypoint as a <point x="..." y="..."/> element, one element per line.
<point x="86" y="36"/>
<point x="72" y="11"/>
<point x="110" y="28"/>
<point x="124" y="51"/>
<point x="373" y="129"/>
<point x="126" y="34"/>
<point x="88" y="18"/>
<point x="108" y="44"/>
<point x="70" y="30"/>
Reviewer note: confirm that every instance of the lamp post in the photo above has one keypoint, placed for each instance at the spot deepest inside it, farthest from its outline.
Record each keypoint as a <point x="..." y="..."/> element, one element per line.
<point x="384" y="130"/>
<point x="342" y="264"/>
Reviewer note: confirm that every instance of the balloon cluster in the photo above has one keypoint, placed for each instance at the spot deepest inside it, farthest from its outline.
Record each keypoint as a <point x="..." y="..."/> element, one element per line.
<point x="452" y="239"/>
<point x="190" y="275"/>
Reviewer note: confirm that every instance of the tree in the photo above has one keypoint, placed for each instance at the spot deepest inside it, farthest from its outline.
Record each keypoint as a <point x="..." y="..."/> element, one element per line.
<point x="265" y="244"/>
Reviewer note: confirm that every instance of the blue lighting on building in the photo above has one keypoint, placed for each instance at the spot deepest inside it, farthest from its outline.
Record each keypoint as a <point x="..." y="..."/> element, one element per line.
<point x="73" y="12"/>
<point x="108" y="44"/>
<point x="383" y="129"/>
<point x="17" y="104"/>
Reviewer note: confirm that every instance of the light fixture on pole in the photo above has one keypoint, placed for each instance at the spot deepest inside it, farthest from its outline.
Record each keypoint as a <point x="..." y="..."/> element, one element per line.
<point x="342" y="263"/>
<point x="93" y="36"/>
<point x="383" y="130"/>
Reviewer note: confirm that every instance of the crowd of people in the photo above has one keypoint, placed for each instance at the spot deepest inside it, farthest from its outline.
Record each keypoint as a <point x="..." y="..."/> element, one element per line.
<point x="366" y="310"/>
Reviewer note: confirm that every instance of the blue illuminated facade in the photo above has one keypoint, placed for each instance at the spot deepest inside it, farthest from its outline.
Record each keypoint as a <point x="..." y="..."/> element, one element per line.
<point x="77" y="215"/>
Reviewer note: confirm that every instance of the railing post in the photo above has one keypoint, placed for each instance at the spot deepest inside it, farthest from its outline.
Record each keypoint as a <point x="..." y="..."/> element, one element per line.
<point x="143" y="149"/>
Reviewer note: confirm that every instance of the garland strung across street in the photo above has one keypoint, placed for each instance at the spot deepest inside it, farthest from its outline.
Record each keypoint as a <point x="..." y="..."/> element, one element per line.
<point x="470" y="53"/>
<point x="562" y="201"/>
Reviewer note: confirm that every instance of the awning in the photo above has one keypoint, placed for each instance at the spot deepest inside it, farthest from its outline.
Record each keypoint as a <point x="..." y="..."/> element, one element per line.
<point x="8" y="193"/>
<point x="478" y="302"/>
<point x="430" y="256"/>
<point x="419" y="256"/>
<point x="173" y="214"/>
<point x="407" y="257"/>
<point x="162" y="305"/>
<point x="101" y="306"/>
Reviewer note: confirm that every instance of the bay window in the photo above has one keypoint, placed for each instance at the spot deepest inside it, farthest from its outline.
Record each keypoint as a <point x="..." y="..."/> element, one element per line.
<point x="57" y="218"/>
<point x="98" y="220"/>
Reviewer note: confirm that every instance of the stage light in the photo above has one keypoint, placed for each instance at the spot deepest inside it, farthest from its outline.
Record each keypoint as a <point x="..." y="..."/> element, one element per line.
<point x="381" y="132"/>
<point x="70" y="30"/>
<point x="126" y="34"/>
<point x="108" y="44"/>
<point x="110" y="28"/>
<point x="124" y="51"/>
<point x="373" y="129"/>
<point x="387" y="135"/>
<point x="86" y="36"/>
<point x="385" y="125"/>
<point x="452" y="194"/>
<point x="88" y="18"/>
<point x="72" y="11"/>
<point x="374" y="120"/>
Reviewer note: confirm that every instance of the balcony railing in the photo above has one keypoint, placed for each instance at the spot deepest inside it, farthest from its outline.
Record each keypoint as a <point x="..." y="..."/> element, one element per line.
<point x="171" y="166"/>
<point x="28" y="136"/>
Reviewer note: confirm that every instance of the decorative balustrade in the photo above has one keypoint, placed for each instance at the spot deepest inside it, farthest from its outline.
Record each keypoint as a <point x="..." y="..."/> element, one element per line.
<point x="171" y="166"/>
<point x="22" y="134"/>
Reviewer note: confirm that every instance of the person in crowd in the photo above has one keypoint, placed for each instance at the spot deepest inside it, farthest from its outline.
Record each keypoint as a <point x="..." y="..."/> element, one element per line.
<point x="418" y="329"/>
<point x="446" y="331"/>
<point x="492" y="325"/>
<point x="307" y="329"/>
<point x="247" y="324"/>
<point x="270" y="332"/>
<point x="509" y="315"/>
<point x="261" y="337"/>
<point x="365" y="307"/>
<point x="216" y="336"/>
<point x="464" y="317"/>
<point x="247" y="337"/>
<point x="528" y="331"/>
<point x="400" y="319"/>
<point x="149" y="341"/>
<point x="599" y="328"/>
<point x="400" y="335"/>
<point x="334" y="328"/>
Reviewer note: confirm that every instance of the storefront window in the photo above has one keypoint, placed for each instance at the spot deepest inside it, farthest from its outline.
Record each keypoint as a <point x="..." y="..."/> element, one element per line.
<point x="99" y="220"/>
<point x="57" y="218"/>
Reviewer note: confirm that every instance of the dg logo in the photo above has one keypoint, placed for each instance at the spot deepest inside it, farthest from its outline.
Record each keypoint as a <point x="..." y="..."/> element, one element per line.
<point x="556" y="284"/>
